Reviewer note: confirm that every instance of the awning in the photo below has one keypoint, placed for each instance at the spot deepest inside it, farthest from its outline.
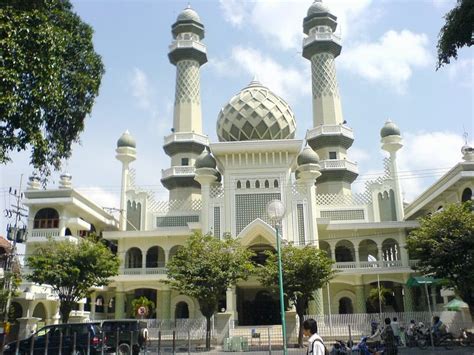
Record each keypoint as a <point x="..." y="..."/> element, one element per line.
<point x="455" y="305"/>
<point x="416" y="281"/>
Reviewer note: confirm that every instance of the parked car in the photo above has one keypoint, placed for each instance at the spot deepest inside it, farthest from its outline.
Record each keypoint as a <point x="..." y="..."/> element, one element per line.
<point x="54" y="337"/>
<point x="123" y="335"/>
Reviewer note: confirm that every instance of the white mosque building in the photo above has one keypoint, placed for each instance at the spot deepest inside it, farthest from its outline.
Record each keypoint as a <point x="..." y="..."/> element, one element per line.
<point x="223" y="188"/>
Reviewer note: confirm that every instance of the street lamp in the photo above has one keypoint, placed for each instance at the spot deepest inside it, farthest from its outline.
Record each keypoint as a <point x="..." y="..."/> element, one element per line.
<point x="276" y="211"/>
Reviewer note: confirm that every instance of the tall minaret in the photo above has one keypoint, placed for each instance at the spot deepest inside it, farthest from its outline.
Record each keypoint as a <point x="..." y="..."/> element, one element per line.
<point x="391" y="140"/>
<point x="186" y="142"/>
<point x="126" y="153"/>
<point x="330" y="137"/>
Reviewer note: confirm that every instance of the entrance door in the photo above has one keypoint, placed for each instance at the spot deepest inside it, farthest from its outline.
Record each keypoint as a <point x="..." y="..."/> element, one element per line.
<point x="257" y="306"/>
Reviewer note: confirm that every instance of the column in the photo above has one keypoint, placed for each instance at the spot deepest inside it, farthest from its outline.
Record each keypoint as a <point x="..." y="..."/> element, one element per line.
<point x="360" y="306"/>
<point x="408" y="303"/>
<point x="380" y="251"/>
<point x="356" y="252"/>
<point x="143" y="261"/>
<point x="231" y="302"/>
<point x="404" y="255"/>
<point x="433" y="297"/>
<point x="119" y="305"/>
<point x="166" y="305"/>
<point x="316" y="306"/>
<point x="93" y="300"/>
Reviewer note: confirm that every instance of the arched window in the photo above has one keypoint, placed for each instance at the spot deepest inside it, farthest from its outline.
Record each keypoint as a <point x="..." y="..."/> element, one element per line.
<point x="46" y="218"/>
<point x="267" y="184"/>
<point x="181" y="311"/>
<point x="257" y="184"/>
<point x="155" y="257"/>
<point x="133" y="258"/>
<point x="247" y="184"/>
<point x="275" y="183"/>
<point x="99" y="304"/>
<point x="466" y="195"/>
<point x="239" y="184"/>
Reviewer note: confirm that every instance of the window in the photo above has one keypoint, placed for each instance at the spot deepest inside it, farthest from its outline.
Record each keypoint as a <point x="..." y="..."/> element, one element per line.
<point x="267" y="184"/>
<point x="332" y="155"/>
<point x="257" y="184"/>
<point x="239" y="184"/>
<point x="247" y="184"/>
<point x="466" y="195"/>
<point x="184" y="161"/>
<point x="46" y="218"/>
<point x="275" y="183"/>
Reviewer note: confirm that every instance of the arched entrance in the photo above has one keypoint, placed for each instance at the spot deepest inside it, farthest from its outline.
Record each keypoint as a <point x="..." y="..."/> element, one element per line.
<point x="345" y="306"/>
<point x="181" y="310"/>
<point x="257" y="306"/>
<point x="149" y="293"/>
<point x="40" y="312"/>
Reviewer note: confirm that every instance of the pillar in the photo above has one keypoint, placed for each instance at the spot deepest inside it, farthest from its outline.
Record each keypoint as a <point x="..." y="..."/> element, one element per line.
<point x="119" y="305"/>
<point x="360" y="306"/>
<point x="357" y="257"/>
<point x="408" y="303"/>
<point x="166" y="304"/>
<point x="93" y="300"/>
<point x="316" y="306"/>
<point x="404" y="255"/>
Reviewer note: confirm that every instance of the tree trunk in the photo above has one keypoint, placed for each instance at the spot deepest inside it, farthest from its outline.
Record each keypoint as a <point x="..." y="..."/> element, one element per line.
<point x="467" y="296"/>
<point x="208" y="333"/>
<point x="300" y="332"/>
<point x="65" y="308"/>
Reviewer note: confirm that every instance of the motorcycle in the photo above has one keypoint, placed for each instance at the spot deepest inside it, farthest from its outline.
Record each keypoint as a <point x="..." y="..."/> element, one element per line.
<point x="466" y="338"/>
<point x="340" y="348"/>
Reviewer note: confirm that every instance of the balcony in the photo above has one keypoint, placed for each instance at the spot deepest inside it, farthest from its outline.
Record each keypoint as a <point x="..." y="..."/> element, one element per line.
<point x="186" y="44"/>
<point x="180" y="171"/>
<point x="321" y="36"/>
<point x="43" y="235"/>
<point x="373" y="267"/>
<point x="143" y="271"/>
<point x="185" y="142"/>
<point x="330" y="135"/>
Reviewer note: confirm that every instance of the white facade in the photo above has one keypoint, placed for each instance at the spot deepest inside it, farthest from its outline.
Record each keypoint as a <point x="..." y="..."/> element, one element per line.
<point x="225" y="191"/>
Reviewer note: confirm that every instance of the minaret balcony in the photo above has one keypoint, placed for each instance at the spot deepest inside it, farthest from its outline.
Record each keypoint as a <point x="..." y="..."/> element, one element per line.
<point x="320" y="42"/>
<point x="185" y="142"/>
<point x="187" y="49"/>
<point x="330" y="136"/>
<point x="179" y="176"/>
<point x="338" y="170"/>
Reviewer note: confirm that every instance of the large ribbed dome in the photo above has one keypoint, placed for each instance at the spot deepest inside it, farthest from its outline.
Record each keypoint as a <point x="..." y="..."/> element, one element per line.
<point x="256" y="113"/>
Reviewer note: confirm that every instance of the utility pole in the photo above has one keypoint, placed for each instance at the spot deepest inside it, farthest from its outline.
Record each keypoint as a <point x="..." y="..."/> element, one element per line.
<point x="16" y="235"/>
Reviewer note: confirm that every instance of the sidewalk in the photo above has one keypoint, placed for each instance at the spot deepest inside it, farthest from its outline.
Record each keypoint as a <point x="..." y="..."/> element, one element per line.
<point x="437" y="351"/>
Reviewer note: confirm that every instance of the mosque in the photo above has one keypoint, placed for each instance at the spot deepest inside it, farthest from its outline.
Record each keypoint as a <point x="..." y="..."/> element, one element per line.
<point x="224" y="187"/>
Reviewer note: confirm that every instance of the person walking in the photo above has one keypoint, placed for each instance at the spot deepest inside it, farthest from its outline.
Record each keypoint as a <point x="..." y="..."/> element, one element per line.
<point x="315" y="342"/>
<point x="396" y="330"/>
<point x="390" y="346"/>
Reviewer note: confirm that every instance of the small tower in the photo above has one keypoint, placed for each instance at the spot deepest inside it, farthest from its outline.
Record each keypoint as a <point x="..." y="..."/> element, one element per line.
<point x="126" y="153"/>
<point x="391" y="142"/>
<point x="186" y="142"/>
<point x="330" y="137"/>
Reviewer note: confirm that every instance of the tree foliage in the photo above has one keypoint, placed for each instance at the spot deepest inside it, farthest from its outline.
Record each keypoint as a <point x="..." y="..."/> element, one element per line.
<point x="375" y="294"/>
<point x="72" y="269"/>
<point x="142" y="302"/>
<point x="444" y="244"/>
<point x="305" y="270"/>
<point x="50" y="78"/>
<point x="10" y="280"/>
<point x="457" y="32"/>
<point x="205" y="268"/>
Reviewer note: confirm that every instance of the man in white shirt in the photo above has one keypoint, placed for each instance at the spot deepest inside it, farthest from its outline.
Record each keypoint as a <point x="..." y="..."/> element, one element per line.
<point x="315" y="342"/>
<point x="396" y="329"/>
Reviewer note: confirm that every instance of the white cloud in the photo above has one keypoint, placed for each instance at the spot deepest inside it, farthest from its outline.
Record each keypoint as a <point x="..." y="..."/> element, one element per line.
<point x="389" y="61"/>
<point x="443" y="5"/>
<point x="461" y="71"/>
<point x="282" y="21"/>
<point x="358" y="155"/>
<point x="286" y="81"/>
<point x="141" y="89"/>
<point x="425" y="157"/>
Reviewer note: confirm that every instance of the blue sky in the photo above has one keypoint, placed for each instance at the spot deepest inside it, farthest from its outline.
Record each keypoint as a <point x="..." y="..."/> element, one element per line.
<point x="386" y="70"/>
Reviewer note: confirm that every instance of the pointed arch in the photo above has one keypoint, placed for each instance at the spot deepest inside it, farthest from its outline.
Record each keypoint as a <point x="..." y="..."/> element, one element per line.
<point x="257" y="232"/>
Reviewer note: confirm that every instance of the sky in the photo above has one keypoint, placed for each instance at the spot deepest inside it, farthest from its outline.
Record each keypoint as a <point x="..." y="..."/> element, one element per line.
<point x="386" y="71"/>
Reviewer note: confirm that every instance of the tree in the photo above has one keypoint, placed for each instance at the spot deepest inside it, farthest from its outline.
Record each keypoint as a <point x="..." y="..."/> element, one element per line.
<point x="305" y="270"/>
<point x="205" y="268"/>
<point x="50" y="78"/>
<point x="14" y="279"/>
<point x="142" y="302"/>
<point x="444" y="245"/>
<point x="375" y="294"/>
<point x="457" y="32"/>
<point x="72" y="269"/>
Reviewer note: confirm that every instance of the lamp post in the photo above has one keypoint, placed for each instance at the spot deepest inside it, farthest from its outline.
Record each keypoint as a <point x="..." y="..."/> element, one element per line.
<point x="276" y="211"/>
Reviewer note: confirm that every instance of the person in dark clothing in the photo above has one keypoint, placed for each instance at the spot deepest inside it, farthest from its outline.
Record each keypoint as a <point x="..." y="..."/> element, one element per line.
<point x="388" y="337"/>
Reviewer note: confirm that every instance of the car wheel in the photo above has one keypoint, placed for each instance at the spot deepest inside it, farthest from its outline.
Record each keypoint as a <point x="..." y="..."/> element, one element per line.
<point x="124" y="349"/>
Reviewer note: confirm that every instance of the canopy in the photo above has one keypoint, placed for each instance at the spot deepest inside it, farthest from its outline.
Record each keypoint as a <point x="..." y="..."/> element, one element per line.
<point x="416" y="281"/>
<point x="455" y="305"/>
